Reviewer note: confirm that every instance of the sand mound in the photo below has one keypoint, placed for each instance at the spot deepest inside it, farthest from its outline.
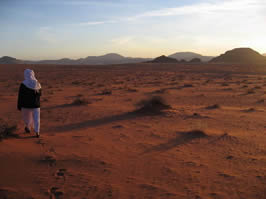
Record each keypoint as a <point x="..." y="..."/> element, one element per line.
<point x="181" y="139"/>
<point x="225" y="138"/>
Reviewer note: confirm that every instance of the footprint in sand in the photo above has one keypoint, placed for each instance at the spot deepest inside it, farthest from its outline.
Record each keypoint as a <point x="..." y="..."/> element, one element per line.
<point x="61" y="174"/>
<point x="50" y="159"/>
<point x="56" y="193"/>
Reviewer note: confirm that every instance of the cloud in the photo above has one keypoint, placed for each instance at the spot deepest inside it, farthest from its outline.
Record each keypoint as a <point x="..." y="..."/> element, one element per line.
<point x="214" y="8"/>
<point x="46" y="34"/>
<point x="81" y="2"/>
<point x="92" y="23"/>
<point x="204" y="8"/>
<point x="122" y="40"/>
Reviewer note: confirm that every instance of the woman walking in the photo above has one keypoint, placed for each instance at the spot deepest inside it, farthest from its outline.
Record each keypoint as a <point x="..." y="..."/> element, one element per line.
<point x="29" y="102"/>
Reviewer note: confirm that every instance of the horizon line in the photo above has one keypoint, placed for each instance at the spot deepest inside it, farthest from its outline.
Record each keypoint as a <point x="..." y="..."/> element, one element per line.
<point x="120" y="54"/>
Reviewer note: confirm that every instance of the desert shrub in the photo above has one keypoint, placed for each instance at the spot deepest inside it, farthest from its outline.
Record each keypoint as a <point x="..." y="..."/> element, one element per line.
<point x="76" y="82"/>
<point x="80" y="102"/>
<point x="228" y="89"/>
<point x="90" y="83"/>
<point x="132" y="90"/>
<point x="188" y="85"/>
<point x="100" y="85"/>
<point x="7" y="130"/>
<point x="215" y="106"/>
<point x="106" y="92"/>
<point x="224" y="84"/>
<point x="45" y="99"/>
<point x="250" y="91"/>
<point x="160" y="91"/>
<point x="249" y="110"/>
<point x="156" y="104"/>
<point x="261" y="101"/>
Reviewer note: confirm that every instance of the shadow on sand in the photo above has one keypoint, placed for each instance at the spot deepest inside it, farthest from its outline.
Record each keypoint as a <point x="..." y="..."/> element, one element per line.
<point x="26" y="137"/>
<point x="18" y="136"/>
<point x="58" y="106"/>
<point x="103" y="121"/>
<point x="180" y="139"/>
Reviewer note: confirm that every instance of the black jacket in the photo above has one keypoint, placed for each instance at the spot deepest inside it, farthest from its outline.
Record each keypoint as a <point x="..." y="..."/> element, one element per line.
<point x="28" y="98"/>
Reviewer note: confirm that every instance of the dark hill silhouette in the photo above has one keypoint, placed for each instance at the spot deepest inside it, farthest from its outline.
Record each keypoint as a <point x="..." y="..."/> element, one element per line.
<point x="189" y="56"/>
<point x="240" y="55"/>
<point x="111" y="58"/>
<point x="195" y="60"/>
<point x="164" y="59"/>
<point x="9" y="60"/>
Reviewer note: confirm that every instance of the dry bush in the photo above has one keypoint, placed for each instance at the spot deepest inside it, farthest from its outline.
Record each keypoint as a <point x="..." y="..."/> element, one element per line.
<point x="79" y="102"/>
<point x="7" y="130"/>
<point x="224" y="84"/>
<point x="100" y="85"/>
<point x="215" y="106"/>
<point x="76" y="82"/>
<point x="106" y="92"/>
<point x="250" y="91"/>
<point x="249" y="110"/>
<point x="154" y="105"/>
<point x="187" y="86"/>
<point x="132" y="90"/>
<point x="260" y="101"/>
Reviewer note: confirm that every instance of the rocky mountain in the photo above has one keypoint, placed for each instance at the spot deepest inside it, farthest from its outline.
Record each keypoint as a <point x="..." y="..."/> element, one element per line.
<point x="240" y="55"/>
<point x="163" y="59"/>
<point x="111" y="58"/>
<point x="189" y="56"/>
<point x="9" y="60"/>
<point x="195" y="60"/>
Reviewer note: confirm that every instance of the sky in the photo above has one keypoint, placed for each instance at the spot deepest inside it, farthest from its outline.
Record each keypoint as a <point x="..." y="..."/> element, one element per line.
<point x="53" y="29"/>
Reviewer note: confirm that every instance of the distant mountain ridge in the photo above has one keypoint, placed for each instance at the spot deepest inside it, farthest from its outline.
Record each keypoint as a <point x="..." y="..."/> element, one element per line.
<point x="189" y="56"/>
<point x="163" y="59"/>
<point x="240" y="55"/>
<point x="9" y="60"/>
<point x="237" y="55"/>
<point x="111" y="58"/>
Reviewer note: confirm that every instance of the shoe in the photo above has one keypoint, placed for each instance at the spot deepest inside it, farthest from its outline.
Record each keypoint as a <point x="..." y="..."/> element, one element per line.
<point x="27" y="130"/>
<point x="37" y="134"/>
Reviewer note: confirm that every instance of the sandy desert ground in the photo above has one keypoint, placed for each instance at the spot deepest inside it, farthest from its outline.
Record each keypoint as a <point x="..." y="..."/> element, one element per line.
<point x="210" y="144"/>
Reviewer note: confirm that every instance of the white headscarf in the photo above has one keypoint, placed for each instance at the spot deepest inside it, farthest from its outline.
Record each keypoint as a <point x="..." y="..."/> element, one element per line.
<point x="30" y="80"/>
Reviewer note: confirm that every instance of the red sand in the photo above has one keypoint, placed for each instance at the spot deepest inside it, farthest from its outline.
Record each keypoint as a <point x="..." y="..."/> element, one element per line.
<point x="106" y="150"/>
